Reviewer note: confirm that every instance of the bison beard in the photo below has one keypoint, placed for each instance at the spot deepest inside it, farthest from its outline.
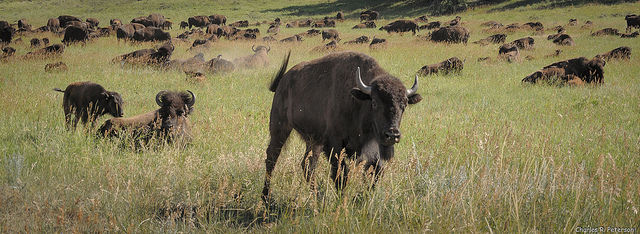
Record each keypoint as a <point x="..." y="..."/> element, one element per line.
<point x="328" y="102"/>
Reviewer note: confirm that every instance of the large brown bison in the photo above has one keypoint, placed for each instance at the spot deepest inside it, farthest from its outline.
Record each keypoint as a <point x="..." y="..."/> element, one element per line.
<point x="453" y="64"/>
<point x="170" y="122"/>
<point x="218" y="19"/>
<point x="88" y="101"/>
<point x="151" y="34"/>
<point x="258" y="59"/>
<point x="330" y="34"/>
<point x="450" y="34"/>
<point x="126" y="31"/>
<point x="158" y="20"/>
<point x="493" y="39"/>
<point x="401" y="26"/>
<point x="344" y="102"/>
<point x="622" y="52"/>
<point x="587" y="70"/>
<point x="53" y="24"/>
<point x="6" y="34"/>
<point x="633" y="21"/>
<point x="73" y="34"/>
<point x="198" y="21"/>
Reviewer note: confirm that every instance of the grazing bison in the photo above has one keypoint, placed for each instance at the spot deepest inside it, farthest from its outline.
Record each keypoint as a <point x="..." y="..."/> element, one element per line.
<point x="6" y="35"/>
<point x="330" y="34"/>
<point x="587" y="70"/>
<point x="49" y="51"/>
<point x="344" y="102"/>
<point x="630" y="35"/>
<point x="93" y="21"/>
<point x="360" y="40"/>
<point x="22" y="24"/>
<point x="7" y="52"/>
<point x="258" y="59"/>
<point x="218" y="19"/>
<point x="35" y="42"/>
<point x="564" y="40"/>
<point x="606" y="31"/>
<point x="127" y="31"/>
<point x="623" y="52"/>
<point x="198" y="21"/>
<point x="144" y="20"/>
<point x="151" y="34"/>
<point x="73" y="34"/>
<point x="184" y="25"/>
<point x="157" y="19"/>
<point x="59" y="66"/>
<point x="53" y="24"/>
<point x="451" y="34"/>
<point x="445" y="67"/>
<point x="401" y="26"/>
<point x="170" y="122"/>
<point x="494" y="39"/>
<point x="633" y="21"/>
<point x="88" y="101"/>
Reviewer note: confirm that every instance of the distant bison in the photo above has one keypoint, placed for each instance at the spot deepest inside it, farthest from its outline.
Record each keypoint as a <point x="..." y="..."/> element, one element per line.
<point x="64" y="19"/>
<point x="360" y="40"/>
<point x="294" y="38"/>
<point x="493" y="39"/>
<point x="367" y="24"/>
<point x="170" y="122"/>
<point x="431" y="25"/>
<point x="198" y="21"/>
<point x="73" y="34"/>
<point x="525" y="43"/>
<point x="564" y="40"/>
<point x="590" y="71"/>
<point x="545" y="74"/>
<point x="330" y="34"/>
<point x="218" y="19"/>
<point x="509" y="52"/>
<point x="59" y="66"/>
<point x="53" y="24"/>
<point x="369" y="15"/>
<point x="344" y="105"/>
<point x="258" y="59"/>
<point x="88" y="101"/>
<point x="451" y="34"/>
<point x="606" y="31"/>
<point x="633" y="21"/>
<point x="126" y="31"/>
<point x="401" y="26"/>
<point x="445" y="67"/>
<point x="151" y="34"/>
<point x="623" y="52"/>
<point x="49" y="51"/>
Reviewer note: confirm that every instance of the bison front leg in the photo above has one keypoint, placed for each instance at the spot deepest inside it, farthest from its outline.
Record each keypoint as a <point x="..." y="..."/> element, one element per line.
<point x="339" y="170"/>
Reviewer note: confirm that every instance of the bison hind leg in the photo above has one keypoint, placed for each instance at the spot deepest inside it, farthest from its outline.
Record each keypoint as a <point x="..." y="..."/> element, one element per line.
<point x="279" y="134"/>
<point x="309" y="163"/>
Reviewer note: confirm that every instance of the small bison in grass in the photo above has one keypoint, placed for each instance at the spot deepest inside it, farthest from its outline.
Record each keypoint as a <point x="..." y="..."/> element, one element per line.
<point x="170" y="122"/>
<point x="453" y="64"/>
<point x="88" y="101"/>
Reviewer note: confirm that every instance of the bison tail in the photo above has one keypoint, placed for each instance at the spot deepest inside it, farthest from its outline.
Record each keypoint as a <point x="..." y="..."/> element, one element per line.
<point x="59" y="90"/>
<point x="283" y="69"/>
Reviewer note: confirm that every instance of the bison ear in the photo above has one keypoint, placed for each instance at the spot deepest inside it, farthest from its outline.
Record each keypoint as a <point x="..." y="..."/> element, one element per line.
<point x="413" y="99"/>
<point x="358" y="94"/>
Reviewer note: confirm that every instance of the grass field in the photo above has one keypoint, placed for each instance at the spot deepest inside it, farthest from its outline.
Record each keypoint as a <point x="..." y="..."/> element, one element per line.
<point x="481" y="153"/>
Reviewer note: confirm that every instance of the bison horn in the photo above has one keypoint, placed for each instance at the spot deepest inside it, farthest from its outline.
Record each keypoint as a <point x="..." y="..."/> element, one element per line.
<point x="414" y="88"/>
<point x="159" y="96"/>
<point x="269" y="48"/>
<point x="252" y="48"/>
<point x="193" y="99"/>
<point x="363" y="87"/>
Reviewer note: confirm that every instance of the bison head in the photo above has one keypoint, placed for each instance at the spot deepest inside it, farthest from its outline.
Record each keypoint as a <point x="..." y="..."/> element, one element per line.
<point x="175" y="107"/>
<point x="114" y="103"/>
<point x="388" y="98"/>
<point x="256" y="49"/>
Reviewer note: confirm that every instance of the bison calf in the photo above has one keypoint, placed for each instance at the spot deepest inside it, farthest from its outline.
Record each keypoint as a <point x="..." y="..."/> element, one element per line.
<point x="88" y="101"/>
<point x="169" y="122"/>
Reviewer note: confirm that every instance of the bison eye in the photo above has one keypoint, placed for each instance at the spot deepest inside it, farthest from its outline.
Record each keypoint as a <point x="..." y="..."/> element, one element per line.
<point x="374" y="104"/>
<point x="180" y="113"/>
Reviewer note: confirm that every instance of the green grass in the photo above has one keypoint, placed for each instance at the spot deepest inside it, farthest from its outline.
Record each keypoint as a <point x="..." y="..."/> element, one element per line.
<point x="480" y="153"/>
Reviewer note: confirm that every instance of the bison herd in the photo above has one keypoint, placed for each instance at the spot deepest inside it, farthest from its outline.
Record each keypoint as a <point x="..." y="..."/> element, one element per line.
<point x="345" y="103"/>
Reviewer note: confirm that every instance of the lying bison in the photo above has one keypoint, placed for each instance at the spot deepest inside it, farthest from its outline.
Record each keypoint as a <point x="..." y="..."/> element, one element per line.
<point x="330" y="34"/>
<point x="493" y="39"/>
<point x="170" y="122"/>
<point x="360" y="40"/>
<point x="88" y="101"/>
<point x="590" y="71"/>
<point x="345" y="104"/>
<point x="259" y="58"/>
<point x="564" y="40"/>
<point x="49" y="51"/>
<point x="451" y="34"/>
<point x="623" y="52"/>
<point x="445" y="67"/>
<point x="606" y="31"/>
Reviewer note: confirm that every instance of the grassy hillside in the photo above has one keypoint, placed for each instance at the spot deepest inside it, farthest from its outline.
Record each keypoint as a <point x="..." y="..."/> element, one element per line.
<point x="481" y="153"/>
